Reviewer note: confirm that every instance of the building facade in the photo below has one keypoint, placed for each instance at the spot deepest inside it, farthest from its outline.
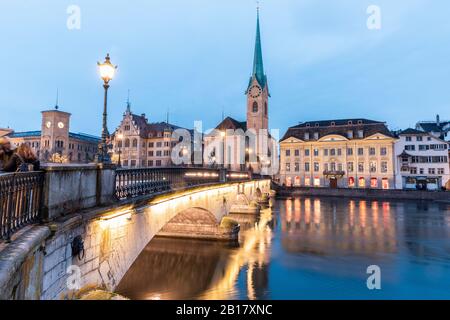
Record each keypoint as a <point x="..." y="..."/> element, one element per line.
<point x="350" y="153"/>
<point x="138" y="143"/>
<point x="55" y="143"/>
<point x="421" y="161"/>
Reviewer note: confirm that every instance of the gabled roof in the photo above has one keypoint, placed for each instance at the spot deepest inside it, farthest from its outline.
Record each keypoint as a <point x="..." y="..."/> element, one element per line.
<point x="337" y="127"/>
<point x="230" y="123"/>
<point x="412" y="131"/>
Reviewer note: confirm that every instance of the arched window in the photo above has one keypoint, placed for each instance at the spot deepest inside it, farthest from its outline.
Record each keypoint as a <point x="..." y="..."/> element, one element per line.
<point x="255" y="107"/>
<point x="265" y="108"/>
<point x="119" y="144"/>
<point x="127" y="143"/>
<point x="134" y="143"/>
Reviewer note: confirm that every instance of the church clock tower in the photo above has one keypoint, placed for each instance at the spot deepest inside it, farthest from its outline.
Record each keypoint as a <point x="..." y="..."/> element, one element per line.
<point x="258" y="90"/>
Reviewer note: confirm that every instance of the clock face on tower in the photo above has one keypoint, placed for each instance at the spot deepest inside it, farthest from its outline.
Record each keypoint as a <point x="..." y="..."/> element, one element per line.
<point x="60" y="125"/>
<point x="255" y="91"/>
<point x="48" y="124"/>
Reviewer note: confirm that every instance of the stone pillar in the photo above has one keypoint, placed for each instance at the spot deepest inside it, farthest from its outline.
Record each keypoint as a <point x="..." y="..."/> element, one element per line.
<point x="70" y="188"/>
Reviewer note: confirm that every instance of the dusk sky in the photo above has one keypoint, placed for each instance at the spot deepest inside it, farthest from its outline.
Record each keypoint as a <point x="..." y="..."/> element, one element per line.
<point x="194" y="57"/>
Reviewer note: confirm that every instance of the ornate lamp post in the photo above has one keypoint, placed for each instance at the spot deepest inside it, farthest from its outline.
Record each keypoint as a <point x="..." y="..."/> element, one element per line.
<point x="107" y="72"/>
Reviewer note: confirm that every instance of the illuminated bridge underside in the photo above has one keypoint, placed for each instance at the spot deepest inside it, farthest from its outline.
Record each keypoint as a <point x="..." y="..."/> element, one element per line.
<point x="119" y="236"/>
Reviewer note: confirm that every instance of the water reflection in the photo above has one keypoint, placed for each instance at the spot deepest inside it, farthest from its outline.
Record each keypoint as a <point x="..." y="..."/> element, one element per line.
<point x="306" y="248"/>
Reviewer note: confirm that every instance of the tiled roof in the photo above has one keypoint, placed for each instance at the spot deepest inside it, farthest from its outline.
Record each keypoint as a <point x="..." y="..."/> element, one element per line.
<point x="84" y="137"/>
<point x="412" y="131"/>
<point x="230" y="123"/>
<point x="145" y="128"/>
<point x="337" y="127"/>
<point x="25" y="134"/>
<point x="78" y="136"/>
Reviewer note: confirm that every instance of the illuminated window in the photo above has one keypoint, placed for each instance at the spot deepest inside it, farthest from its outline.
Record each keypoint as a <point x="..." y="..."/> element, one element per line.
<point x="351" y="182"/>
<point x="316" y="182"/>
<point x="297" y="181"/>
<point x="374" y="183"/>
<point x="362" y="182"/>
<point x="288" y="181"/>
<point x="385" y="183"/>
<point x="307" y="181"/>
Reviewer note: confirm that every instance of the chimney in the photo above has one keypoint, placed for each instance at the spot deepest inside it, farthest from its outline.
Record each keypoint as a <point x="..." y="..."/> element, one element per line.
<point x="438" y="121"/>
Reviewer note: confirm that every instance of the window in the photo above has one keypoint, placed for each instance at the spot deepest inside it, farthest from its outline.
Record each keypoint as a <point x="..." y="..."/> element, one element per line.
<point x="339" y="152"/>
<point x="151" y="144"/>
<point x="150" y="163"/>
<point x="316" y="136"/>
<point x="316" y="152"/>
<point x="419" y="138"/>
<point x="158" y="153"/>
<point x="332" y="152"/>
<point x="351" y="182"/>
<point x="440" y="170"/>
<point x="361" y="167"/>
<point x="166" y="153"/>
<point x="158" y="163"/>
<point x="255" y="107"/>
<point x="385" y="183"/>
<point x="360" y="151"/>
<point x="316" y="167"/>
<point x="307" y="181"/>
<point x="166" y="144"/>
<point x="350" y="134"/>
<point x="408" y="139"/>
<point x="413" y="170"/>
<point x="384" y="166"/>
<point x="350" y="167"/>
<point x="133" y="163"/>
<point x="119" y="144"/>
<point x="306" y="166"/>
<point x="360" y="134"/>
<point x="288" y="153"/>
<point x="349" y="151"/>
<point x="374" y="183"/>
<point x="372" y="151"/>
<point x="383" y="151"/>
<point x="127" y="127"/>
<point x="325" y="152"/>
<point x="297" y="152"/>
<point x="373" y="166"/>
<point x="306" y="135"/>
<point x="316" y="182"/>
<point x="431" y="171"/>
<point x="288" y="167"/>
<point x="135" y="143"/>
<point x="410" y="147"/>
<point x="422" y="171"/>
<point x="150" y="153"/>
<point x="361" y="182"/>
<point x="297" y="167"/>
<point x="159" y="144"/>
<point x="306" y="152"/>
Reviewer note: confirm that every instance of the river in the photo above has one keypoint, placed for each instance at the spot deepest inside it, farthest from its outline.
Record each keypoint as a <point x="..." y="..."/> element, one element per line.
<point x="307" y="248"/>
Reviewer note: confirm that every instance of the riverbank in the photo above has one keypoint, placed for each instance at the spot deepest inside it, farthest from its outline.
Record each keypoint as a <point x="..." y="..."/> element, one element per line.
<point x="442" y="196"/>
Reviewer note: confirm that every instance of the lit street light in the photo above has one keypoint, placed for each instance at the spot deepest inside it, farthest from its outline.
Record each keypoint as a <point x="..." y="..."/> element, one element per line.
<point x="107" y="72"/>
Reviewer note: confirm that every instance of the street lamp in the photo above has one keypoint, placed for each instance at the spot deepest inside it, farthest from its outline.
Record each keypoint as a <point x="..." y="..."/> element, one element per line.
<point x="107" y="72"/>
<point x="120" y="138"/>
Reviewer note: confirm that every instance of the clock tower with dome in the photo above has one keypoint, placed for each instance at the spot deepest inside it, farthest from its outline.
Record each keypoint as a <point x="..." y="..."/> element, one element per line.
<point x="258" y="90"/>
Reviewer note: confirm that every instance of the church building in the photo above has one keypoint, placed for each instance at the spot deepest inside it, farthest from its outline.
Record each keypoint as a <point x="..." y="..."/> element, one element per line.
<point x="246" y="145"/>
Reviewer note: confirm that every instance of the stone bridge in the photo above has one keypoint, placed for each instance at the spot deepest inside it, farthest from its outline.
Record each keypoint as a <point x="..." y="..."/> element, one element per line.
<point x="39" y="262"/>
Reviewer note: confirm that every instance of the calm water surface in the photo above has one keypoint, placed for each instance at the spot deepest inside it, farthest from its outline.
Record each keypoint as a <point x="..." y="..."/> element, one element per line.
<point x="307" y="248"/>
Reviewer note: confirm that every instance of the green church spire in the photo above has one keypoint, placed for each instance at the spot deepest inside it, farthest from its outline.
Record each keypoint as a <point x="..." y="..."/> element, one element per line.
<point x="258" y="65"/>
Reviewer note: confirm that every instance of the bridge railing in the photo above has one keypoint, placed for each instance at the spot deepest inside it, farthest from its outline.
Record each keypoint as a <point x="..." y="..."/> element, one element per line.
<point x="20" y="201"/>
<point x="144" y="181"/>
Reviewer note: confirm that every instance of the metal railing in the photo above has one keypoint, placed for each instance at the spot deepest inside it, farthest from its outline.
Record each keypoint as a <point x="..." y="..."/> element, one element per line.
<point x="145" y="181"/>
<point x="20" y="201"/>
